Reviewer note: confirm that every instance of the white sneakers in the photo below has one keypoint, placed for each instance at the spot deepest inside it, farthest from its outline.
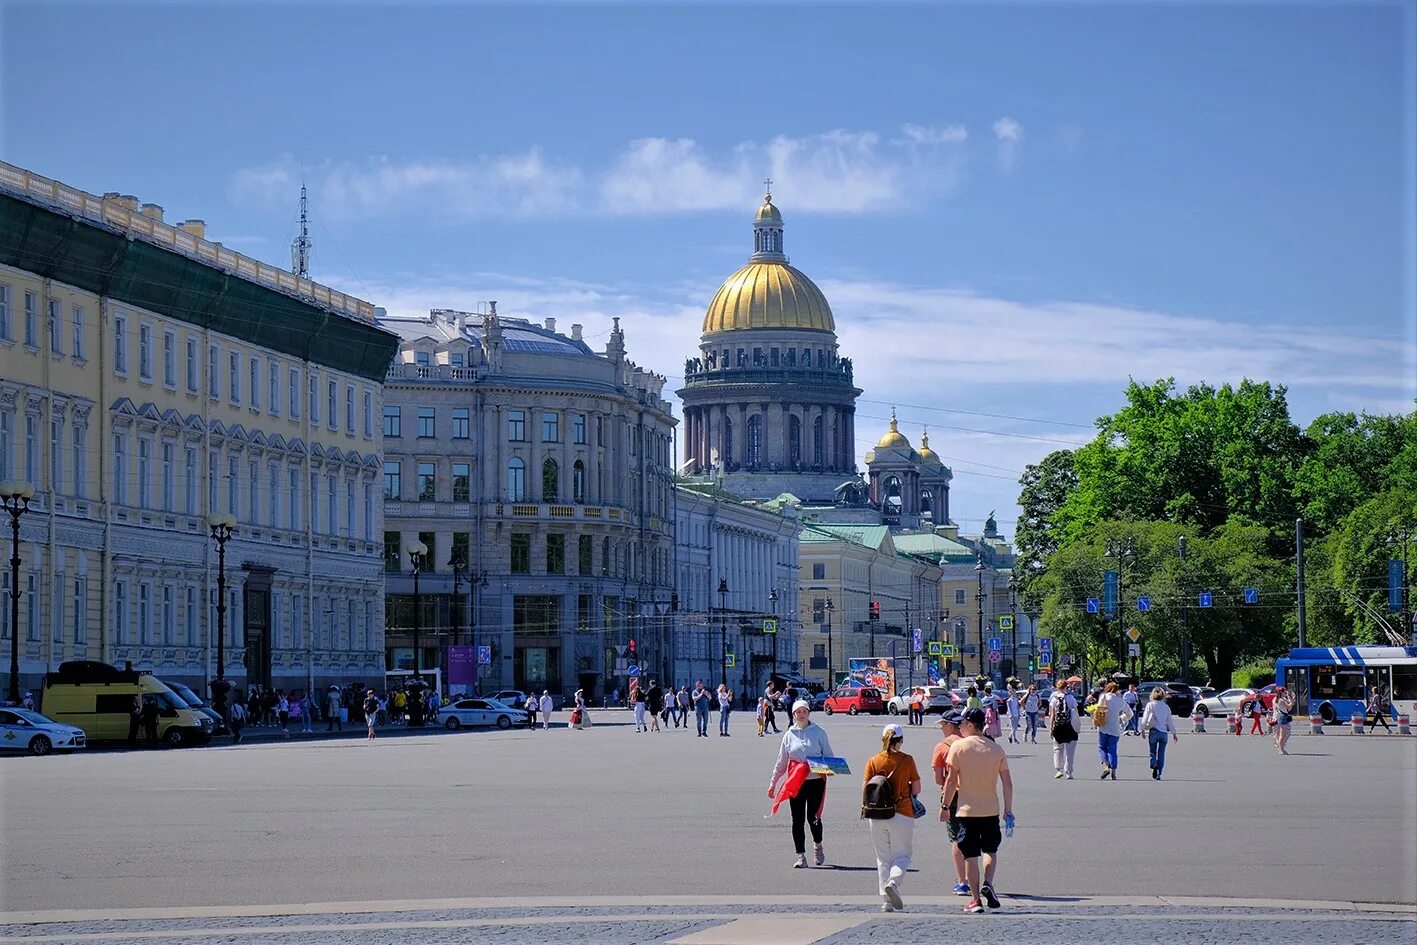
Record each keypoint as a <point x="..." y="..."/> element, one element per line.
<point x="820" y="854"/>
<point x="801" y="862"/>
<point x="892" y="895"/>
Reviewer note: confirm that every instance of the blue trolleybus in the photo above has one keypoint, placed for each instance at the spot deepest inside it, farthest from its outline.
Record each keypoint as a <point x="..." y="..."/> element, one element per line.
<point x="1337" y="682"/>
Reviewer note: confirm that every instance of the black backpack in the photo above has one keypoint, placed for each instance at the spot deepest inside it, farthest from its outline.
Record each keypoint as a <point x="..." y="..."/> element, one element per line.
<point x="1062" y="724"/>
<point x="878" y="798"/>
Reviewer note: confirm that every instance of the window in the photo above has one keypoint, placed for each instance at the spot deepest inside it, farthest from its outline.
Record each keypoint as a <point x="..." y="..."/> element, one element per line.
<point x="191" y="615"/>
<point x="294" y="393"/>
<point x="234" y="370"/>
<point x="169" y="359"/>
<point x="120" y="468"/>
<point x="959" y="597"/>
<point x="168" y="474"/>
<point x="349" y="507"/>
<point x="56" y="326"/>
<point x="81" y="461"/>
<point x="294" y="515"/>
<point x="120" y="340"/>
<point x="427" y="482"/>
<point x="81" y="608"/>
<point x="5" y="313"/>
<point x="213" y="372"/>
<point x="393" y="475"/>
<point x="819" y="571"/>
<point x="422" y="358"/>
<point x="550" y="481"/>
<point x="314" y="501"/>
<point x="578" y="429"/>
<point x="144" y="613"/>
<point x="550" y="428"/>
<point x="461" y="423"/>
<point x="516" y="425"/>
<point x="605" y="556"/>
<point x="314" y="398"/>
<point x="120" y="611"/>
<point x="145" y="352"/>
<point x="331" y="394"/>
<point x="77" y="314"/>
<point x="191" y="365"/>
<point x="368" y="512"/>
<point x="819" y="611"/>
<point x="349" y="409"/>
<point x="455" y="358"/>
<point x="578" y="482"/>
<point x="255" y="386"/>
<point x="31" y="449"/>
<point x="233" y="485"/>
<point x="584" y="547"/>
<point x="56" y="601"/>
<point x="297" y="619"/>
<point x="521" y="554"/>
<point x="368" y="414"/>
<point x="31" y="318"/>
<point x="555" y="554"/>
<point x="755" y="441"/>
<point x="427" y="417"/>
<point x="56" y="455"/>
<point x="392" y="552"/>
<point x="273" y="383"/>
<point x="516" y="480"/>
<point x="169" y="616"/>
<point x="462" y="482"/>
<point x="273" y="498"/>
<point x="462" y="548"/>
<point x="211" y="481"/>
<point x="393" y="421"/>
<point x="189" y="480"/>
<point x="332" y="506"/>
<point x="145" y="448"/>
<point x="253" y="491"/>
<point x="1404" y="683"/>
<point x="430" y="560"/>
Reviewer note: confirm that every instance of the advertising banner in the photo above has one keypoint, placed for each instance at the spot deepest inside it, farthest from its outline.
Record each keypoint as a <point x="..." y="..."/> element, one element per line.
<point x="462" y="668"/>
<point x="876" y="673"/>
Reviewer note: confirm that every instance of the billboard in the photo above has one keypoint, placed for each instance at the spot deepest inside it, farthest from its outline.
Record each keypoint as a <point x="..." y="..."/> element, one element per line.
<point x="878" y="673"/>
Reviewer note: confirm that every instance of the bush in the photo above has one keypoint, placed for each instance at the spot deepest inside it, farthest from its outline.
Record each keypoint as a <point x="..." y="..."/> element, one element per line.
<point x="1252" y="676"/>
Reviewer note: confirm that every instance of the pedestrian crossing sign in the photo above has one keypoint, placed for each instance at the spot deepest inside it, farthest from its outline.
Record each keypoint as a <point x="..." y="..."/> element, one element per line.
<point x="769" y="626"/>
<point x="1006" y="622"/>
<point x="933" y="648"/>
<point x="731" y="660"/>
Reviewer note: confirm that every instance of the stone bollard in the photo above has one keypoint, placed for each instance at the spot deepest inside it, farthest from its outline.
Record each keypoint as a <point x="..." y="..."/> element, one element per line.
<point x="1316" y="725"/>
<point x="1198" y="723"/>
<point x="1404" y="724"/>
<point x="1356" y="723"/>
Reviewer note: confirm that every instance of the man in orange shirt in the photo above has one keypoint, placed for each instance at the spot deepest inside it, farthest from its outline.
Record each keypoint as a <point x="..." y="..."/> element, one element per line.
<point x="976" y="768"/>
<point x="949" y="726"/>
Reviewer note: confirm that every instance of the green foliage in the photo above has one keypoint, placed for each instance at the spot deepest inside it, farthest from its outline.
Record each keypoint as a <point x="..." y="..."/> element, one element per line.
<point x="1253" y="675"/>
<point x="1046" y="486"/>
<point x="1358" y="572"/>
<point x="1351" y="458"/>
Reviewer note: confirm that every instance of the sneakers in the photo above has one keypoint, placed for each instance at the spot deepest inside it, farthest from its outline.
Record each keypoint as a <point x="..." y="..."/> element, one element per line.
<point x="887" y="907"/>
<point x="801" y="862"/>
<point x="991" y="900"/>
<point x="974" y="906"/>
<point x="1105" y="771"/>
<point x="962" y="889"/>
<point x="821" y="855"/>
<point x="892" y="895"/>
<point x="1155" y="774"/>
<point x="1057" y="774"/>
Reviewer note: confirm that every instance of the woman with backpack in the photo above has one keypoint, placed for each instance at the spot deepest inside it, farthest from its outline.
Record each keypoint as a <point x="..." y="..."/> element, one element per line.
<point x="889" y="788"/>
<point x="1108" y="717"/>
<point x="802" y="740"/>
<point x="1062" y="710"/>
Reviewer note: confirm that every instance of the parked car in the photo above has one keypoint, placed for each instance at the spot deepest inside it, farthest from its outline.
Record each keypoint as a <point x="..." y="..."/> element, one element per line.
<point x="854" y="701"/>
<point x="1179" y="698"/>
<point x="938" y="700"/>
<point x="1266" y="695"/>
<point x="186" y="694"/>
<point x="819" y="701"/>
<point x="23" y="730"/>
<point x="511" y="697"/>
<point x="472" y="712"/>
<point x="1228" y="702"/>
<point x="1202" y="692"/>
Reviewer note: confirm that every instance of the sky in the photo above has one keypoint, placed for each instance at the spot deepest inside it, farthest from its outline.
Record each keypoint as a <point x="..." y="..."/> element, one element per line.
<point x="1013" y="209"/>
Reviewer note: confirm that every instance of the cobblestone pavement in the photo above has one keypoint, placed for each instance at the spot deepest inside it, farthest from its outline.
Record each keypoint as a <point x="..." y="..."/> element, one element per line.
<point x="726" y="921"/>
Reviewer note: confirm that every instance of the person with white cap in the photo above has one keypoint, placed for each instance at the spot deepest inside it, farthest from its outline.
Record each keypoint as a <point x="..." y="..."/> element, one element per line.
<point x="890" y="806"/>
<point x="803" y="739"/>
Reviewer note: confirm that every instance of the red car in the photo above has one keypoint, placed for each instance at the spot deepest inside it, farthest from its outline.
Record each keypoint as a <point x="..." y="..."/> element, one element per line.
<point x="855" y="701"/>
<point x="1267" y="694"/>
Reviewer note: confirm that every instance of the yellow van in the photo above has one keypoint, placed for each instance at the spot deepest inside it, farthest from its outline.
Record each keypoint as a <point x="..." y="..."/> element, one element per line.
<point x="98" y="698"/>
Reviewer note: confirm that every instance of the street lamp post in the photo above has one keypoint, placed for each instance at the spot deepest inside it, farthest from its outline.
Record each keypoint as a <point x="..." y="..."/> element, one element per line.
<point x="16" y="495"/>
<point x="1121" y="550"/>
<point x="1013" y="626"/>
<point x="831" y="655"/>
<point x="1185" y="621"/>
<point x="417" y="550"/>
<point x="772" y="599"/>
<point x="222" y="528"/>
<point x="723" y="630"/>
<point x="979" y="597"/>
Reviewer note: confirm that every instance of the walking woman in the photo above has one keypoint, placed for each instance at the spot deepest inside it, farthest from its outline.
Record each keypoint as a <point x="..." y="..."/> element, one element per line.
<point x="725" y="705"/>
<point x="1109" y="715"/>
<point x="1283" y="719"/>
<point x="1030" y="711"/>
<point x="1256" y="717"/>
<point x="1062" y="725"/>
<point x="802" y="740"/>
<point x="1156" y="722"/>
<point x="892" y="835"/>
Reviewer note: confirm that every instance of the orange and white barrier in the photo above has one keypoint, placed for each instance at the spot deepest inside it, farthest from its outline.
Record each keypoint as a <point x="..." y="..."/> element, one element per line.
<point x="1404" y="725"/>
<point x="1316" y="724"/>
<point x="1198" y="723"/>
<point x="1234" y="724"/>
<point x="1356" y="722"/>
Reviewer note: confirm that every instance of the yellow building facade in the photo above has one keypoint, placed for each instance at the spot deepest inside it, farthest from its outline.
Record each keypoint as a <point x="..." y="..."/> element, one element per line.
<point x="150" y="378"/>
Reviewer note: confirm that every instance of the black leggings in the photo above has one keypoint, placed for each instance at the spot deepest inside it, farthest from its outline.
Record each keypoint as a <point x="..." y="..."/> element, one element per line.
<point x="809" y="798"/>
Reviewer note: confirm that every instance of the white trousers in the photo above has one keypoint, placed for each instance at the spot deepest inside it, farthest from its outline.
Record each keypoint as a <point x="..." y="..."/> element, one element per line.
<point x="639" y="714"/>
<point x="1063" y="756"/>
<point x="892" y="839"/>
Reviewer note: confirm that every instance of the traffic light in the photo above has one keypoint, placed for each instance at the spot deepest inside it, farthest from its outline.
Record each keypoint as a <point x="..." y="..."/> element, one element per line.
<point x="1030" y="664"/>
<point x="875" y="610"/>
<point x="632" y="647"/>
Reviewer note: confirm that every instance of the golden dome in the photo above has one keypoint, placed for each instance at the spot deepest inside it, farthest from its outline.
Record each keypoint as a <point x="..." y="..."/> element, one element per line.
<point x="768" y="295"/>
<point x="928" y="455"/>
<point x="767" y="212"/>
<point x="893" y="439"/>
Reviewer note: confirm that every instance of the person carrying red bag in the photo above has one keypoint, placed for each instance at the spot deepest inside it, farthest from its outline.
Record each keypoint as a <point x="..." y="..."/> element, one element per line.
<point x="793" y="780"/>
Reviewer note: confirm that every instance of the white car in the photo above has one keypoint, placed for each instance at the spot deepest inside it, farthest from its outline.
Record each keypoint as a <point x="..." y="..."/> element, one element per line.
<point x="1224" y="703"/>
<point x="23" y="730"/>
<point x="472" y="712"/>
<point x="938" y="701"/>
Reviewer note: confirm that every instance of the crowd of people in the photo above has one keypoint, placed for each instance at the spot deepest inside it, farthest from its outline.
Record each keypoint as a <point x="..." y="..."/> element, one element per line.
<point x="298" y="711"/>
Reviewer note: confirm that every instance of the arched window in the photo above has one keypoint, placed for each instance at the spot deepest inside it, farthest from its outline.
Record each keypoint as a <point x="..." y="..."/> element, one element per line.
<point x="550" y="481"/>
<point x="578" y="482"/>
<point x="927" y="503"/>
<point x="755" y="440"/>
<point x="794" y="440"/>
<point x="727" y="451"/>
<point x="516" y="480"/>
<point x="819" y="444"/>
<point x="890" y="497"/>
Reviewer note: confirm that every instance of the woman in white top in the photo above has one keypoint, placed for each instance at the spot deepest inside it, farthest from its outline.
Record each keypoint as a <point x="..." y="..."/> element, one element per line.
<point x="802" y="740"/>
<point x="1062" y="725"/>
<point x="1156" y="722"/>
<point x="1030" y="711"/>
<point x="1013" y="706"/>
<point x="1109" y="733"/>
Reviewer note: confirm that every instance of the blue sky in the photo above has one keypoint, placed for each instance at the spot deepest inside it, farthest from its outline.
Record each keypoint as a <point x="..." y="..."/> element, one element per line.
<point x="1012" y="208"/>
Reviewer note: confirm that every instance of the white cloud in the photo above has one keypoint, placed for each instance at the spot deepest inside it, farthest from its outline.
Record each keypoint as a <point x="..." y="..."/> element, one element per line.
<point x="922" y="134"/>
<point x="1010" y="135"/>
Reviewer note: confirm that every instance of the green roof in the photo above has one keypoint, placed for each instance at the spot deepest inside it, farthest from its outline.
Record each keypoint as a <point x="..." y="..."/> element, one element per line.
<point x="931" y="545"/>
<point x="869" y="536"/>
<point x="102" y="260"/>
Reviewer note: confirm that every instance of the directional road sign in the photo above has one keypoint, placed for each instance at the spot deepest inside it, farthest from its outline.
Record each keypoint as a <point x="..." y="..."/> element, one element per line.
<point x="1144" y="604"/>
<point x="484" y="656"/>
<point x="996" y="643"/>
<point x="634" y="670"/>
<point x="1045" y="644"/>
<point x="1252" y="595"/>
<point x="1134" y="649"/>
<point x="915" y="640"/>
<point x="1205" y="598"/>
<point x="1093" y="605"/>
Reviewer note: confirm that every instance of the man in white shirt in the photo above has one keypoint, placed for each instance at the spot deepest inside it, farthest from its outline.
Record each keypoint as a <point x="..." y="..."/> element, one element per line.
<point x="1131" y="698"/>
<point x="547" y="707"/>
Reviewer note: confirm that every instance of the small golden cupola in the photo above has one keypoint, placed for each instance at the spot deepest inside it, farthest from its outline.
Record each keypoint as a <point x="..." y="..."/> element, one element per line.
<point x="893" y="439"/>
<point x="928" y="455"/>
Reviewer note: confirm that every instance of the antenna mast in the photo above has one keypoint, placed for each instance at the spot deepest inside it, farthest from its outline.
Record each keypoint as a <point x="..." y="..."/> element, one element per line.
<point x="300" y="248"/>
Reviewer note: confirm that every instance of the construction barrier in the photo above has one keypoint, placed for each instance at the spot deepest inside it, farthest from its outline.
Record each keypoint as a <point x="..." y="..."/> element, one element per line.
<point x="1356" y="723"/>
<point x="1316" y="725"/>
<point x="1404" y="725"/>
<point x="1198" y="723"/>
<point x="1233" y="724"/>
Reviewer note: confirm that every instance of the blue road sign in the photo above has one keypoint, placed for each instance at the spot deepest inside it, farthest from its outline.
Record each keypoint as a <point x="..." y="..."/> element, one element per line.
<point x="1252" y="595"/>
<point x="1093" y="605"/>
<point x="1395" y="584"/>
<point x="996" y="643"/>
<point x="484" y="656"/>
<point x="1109" y="594"/>
<point x="916" y="640"/>
<point x="1144" y="604"/>
<point x="634" y="670"/>
<point x="1204" y="599"/>
<point x="1045" y="644"/>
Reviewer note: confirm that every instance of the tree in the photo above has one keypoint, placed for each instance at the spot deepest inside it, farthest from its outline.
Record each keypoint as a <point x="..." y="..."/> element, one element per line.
<point x="1358" y="574"/>
<point x="1046" y="486"/>
<point x="1351" y="458"/>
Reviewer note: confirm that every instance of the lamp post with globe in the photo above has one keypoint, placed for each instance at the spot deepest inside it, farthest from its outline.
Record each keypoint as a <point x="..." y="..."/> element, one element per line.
<point x="222" y="528"/>
<point x="16" y="495"/>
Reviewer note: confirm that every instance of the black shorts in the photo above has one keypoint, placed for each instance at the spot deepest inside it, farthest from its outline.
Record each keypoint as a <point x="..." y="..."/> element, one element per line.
<point x="977" y="835"/>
